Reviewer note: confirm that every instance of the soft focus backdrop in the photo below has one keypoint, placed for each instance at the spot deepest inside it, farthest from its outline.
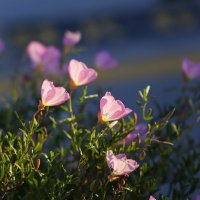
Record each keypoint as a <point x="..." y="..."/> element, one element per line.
<point x="148" y="37"/>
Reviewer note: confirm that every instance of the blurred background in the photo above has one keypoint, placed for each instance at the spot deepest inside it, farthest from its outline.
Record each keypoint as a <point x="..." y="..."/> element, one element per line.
<point x="148" y="37"/>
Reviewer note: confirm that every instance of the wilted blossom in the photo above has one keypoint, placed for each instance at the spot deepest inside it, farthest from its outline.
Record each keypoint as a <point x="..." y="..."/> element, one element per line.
<point x="140" y="131"/>
<point x="2" y="45"/>
<point x="51" y="95"/>
<point x="104" y="60"/>
<point x="120" y="164"/>
<point x="45" y="59"/>
<point x="151" y="198"/>
<point x="71" y="38"/>
<point x="111" y="109"/>
<point x="190" y="70"/>
<point x="80" y="74"/>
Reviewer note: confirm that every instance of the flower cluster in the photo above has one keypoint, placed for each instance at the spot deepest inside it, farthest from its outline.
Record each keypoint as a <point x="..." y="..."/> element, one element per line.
<point x="80" y="74"/>
<point x="45" y="59"/>
<point x="79" y="145"/>
<point x="110" y="109"/>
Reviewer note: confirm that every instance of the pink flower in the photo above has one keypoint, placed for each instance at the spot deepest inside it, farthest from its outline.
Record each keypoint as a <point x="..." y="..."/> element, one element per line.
<point x="80" y="74"/>
<point x="2" y="45"/>
<point x="51" y="60"/>
<point x="71" y="38"/>
<point x="45" y="59"/>
<point x="103" y="60"/>
<point x="35" y="51"/>
<point x="151" y="198"/>
<point x="140" y="130"/>
<point x="120" y="164"/>
<point x="51" y="95"/>
<point x="111" y="109"/>
<point x="190" y="70"/>
<point x="197" y="197"/>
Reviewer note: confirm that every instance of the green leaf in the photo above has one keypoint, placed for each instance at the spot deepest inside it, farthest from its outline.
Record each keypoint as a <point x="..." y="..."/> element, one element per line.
<point x="2" y="169"/>
<point x="65" y="108"/>
<point x="162" y="123"/>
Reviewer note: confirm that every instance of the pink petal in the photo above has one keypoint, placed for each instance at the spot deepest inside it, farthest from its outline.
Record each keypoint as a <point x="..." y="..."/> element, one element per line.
<point x="80" y="74"/>
<point x="140" y="129"/>
<point x="2" y="45"/>
<point x="51" y="60"/>
<point x="186" y="64"/>
<point x="71" y="38"/>
<point x="117" y="110"/>
<point x="197" y="197"/>
<point x="104" y="60"/>
<point x="106" y="103"/>
<point x="35" y="51"/>
<point x="119" y="167"/>
<point x="109" y="158"/>
<point x="51" y="95"/>
<point x="131" y="165"/>
<point x="59" y="97"/>
<point x="74" y="69"/>
<point x="112" y="109"/>
<point x="121" y="156"/>
<point x="190" y="69"/>
<point x="87" y="76"/>
<point x="120" y="164"/>
<point x="151" y="198"/>
<point x="46" y="87"/>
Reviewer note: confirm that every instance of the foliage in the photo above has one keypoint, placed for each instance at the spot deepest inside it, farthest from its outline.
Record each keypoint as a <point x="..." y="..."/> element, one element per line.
<point x="60" y="152"/>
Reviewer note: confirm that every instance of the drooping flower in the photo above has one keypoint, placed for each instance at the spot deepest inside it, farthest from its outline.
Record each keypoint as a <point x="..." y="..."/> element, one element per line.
<point x="51" y="95"/>
<point x="45" y="59"/>
<point x="120" y="164"/>
<point x="80" y="74"/>
<point x="2" y="45"/>
<point x="140" y="131"/>
<point x="151" y="198"/>
<point x="71" y="38"/>
<point x="104" y="60"/>
<point x="190" y="70"/>
<point x="111" y="109"/>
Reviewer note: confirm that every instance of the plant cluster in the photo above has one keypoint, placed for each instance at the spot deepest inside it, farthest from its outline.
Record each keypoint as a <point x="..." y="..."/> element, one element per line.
<point x="63" y="140"/>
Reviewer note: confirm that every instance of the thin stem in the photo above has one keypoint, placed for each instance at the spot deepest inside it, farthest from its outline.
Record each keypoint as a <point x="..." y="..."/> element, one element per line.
<point x="73" y="128"/>
<point x="143" y="111"/>
<point x="162" y="142"/>
<point x="71" y="111"/>
<point x="36" y="113"/>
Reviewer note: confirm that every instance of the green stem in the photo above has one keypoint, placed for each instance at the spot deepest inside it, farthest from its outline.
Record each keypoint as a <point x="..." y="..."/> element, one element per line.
<point x="71" y="113"/>
<point x="143" y="111"/>
<point x="162" y="142"/>
<point x="72" y="125"/>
